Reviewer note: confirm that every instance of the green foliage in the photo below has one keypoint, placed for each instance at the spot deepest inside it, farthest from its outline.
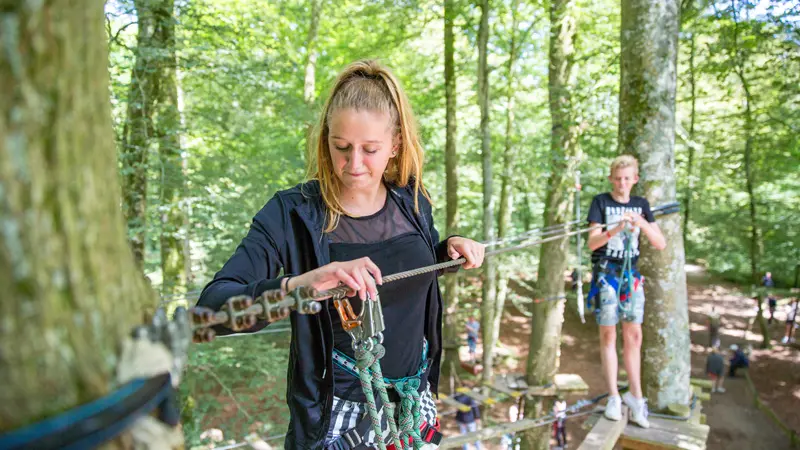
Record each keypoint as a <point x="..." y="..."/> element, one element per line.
<point x="236" y="385"/>
<point x="241" y="70"/>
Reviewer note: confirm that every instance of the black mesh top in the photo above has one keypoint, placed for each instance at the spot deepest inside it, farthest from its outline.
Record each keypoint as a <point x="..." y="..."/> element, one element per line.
<point x="385" y="224"/>
<point x="394" y="244"/>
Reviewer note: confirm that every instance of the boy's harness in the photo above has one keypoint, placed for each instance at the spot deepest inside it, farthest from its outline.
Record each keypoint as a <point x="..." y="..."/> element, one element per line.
<point x="623" y="278"/>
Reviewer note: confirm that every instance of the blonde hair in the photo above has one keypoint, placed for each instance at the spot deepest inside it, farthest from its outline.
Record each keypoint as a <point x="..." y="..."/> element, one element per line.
<point x="368" y="85"/>
<point x="623" y="161"/>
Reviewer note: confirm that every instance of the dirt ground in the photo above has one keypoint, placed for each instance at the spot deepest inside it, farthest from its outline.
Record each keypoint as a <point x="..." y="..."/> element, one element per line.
<point x="734" y="420"/>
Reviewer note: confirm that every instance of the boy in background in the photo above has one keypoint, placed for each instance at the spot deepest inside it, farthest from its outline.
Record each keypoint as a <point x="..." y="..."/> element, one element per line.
<point x="715" y="368"/>
<point x="625" y="217"/>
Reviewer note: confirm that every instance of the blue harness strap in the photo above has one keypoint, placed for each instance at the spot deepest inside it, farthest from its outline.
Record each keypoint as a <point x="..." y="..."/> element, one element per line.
<point x="619" y="278"/>
<point x="349" y="365"/>
<point x="87" y="426"/>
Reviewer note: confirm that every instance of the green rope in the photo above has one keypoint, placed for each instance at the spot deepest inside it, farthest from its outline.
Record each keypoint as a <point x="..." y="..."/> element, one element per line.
<point x="371" y="363"/>
<point x="369" y="373"/>
<point x="627" y="276"/>
<point x="410" y="417"/>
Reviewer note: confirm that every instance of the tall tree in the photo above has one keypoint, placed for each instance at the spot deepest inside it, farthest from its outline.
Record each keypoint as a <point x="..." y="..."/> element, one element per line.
<point x="155" y="29"/>
<point x="488" y="301"/>
<point x="649" y="47"/>
<point x="310" y="79"/>
<point x="688" y="14"/>
<point x="74" y="291"/>
<point x="168" y="127"/>
<point x="545" y="339"/>
<point x="691" y="144"/>
<point x="506" y="203"/>
<point x="451" y="329"/>
<point x="739" y="56"/>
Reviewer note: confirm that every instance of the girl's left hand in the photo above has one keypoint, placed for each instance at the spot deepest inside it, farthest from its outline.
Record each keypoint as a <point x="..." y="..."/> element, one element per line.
<point x="469" y="249"/>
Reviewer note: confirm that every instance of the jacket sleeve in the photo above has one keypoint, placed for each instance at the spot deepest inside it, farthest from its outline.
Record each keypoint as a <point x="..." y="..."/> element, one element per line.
<point x="256" y="263"/>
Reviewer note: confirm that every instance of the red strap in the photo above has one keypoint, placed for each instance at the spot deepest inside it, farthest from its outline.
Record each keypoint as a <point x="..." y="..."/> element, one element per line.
<point x="424" y="428"/>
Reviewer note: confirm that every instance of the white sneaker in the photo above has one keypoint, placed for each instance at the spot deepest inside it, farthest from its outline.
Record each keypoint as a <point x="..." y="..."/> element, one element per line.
<point x="613" y="408"/>
<point x="721" y="390"/>
<point x="638" y="409"/>
<point x="785" y="340"/>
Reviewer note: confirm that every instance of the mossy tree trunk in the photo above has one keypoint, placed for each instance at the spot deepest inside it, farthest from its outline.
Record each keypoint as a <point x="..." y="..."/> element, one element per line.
<point x="71" y="287"/>
<point x="692" y="146"/>
<point x="155" y="29"/>
<point x="172" y="180"/>
<point x="451" y="325"/>
<point x="489" y="267"/>
<point x="649" y="43"/>
<point x="545" y="339"/>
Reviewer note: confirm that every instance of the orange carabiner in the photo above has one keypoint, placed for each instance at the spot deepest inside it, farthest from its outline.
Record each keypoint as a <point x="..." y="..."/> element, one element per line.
<point x="349" y="318"/>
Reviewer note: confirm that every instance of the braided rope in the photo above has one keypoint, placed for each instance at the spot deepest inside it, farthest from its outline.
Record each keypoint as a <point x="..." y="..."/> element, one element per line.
<point x="410" y="417"/>
<point x="378" y="351"/>
<point x="364" y="359"/>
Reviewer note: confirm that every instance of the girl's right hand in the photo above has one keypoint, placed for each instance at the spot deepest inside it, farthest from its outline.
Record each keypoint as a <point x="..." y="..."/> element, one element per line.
<point x="360" y="275"/>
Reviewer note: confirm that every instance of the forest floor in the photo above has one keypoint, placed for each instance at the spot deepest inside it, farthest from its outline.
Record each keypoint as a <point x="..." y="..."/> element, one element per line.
<point x="734" y="420"/>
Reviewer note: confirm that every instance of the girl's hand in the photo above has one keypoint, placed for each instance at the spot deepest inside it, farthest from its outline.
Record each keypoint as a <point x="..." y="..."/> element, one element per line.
<point x="469" y="249"/>
<point x="360" y="275"/>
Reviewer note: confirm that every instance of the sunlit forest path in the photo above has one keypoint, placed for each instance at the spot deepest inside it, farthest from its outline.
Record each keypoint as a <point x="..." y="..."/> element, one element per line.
<point x="735" y="422"/>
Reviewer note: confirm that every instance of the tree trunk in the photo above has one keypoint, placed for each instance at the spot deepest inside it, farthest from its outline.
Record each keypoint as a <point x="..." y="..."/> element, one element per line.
<point x="754" y="232"/>
<point x="488" y="302"/>
<point x="649" y="43"/>
<point x="168" y="127"/>
<point x="506" y="188"/>
<point x="309" y="85"/>
<point x="687" y="207"/>
<point x="545" y="339"/>
<point x="739" y="57"/>
<point x="309" y="80"/>
<point x="72" y="287"/>
<point x="143" y="93"/>
<point x="451" y="326"/>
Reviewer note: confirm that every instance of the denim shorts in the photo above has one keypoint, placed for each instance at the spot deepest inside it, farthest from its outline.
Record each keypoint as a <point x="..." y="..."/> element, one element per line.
<point x="608" y="313"/>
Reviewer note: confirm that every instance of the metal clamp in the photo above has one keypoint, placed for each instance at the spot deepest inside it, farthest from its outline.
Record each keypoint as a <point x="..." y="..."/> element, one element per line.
<point x="366" y="325"/>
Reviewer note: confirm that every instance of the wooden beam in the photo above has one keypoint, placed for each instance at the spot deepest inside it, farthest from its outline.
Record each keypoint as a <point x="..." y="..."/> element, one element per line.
<point x="698" y="391"/>
<point x="486" y="434"/>
<point x="703" y="383"/>
<point x="570" y="382"/>
<point x="496" y="386"/>
<point x="480" y="398"/>
<point x="605" y="433"/>
<point x="455" y="404"/>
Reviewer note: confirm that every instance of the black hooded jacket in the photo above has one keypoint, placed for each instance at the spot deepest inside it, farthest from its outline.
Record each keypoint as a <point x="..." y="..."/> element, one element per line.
<point x="287" y="235"/>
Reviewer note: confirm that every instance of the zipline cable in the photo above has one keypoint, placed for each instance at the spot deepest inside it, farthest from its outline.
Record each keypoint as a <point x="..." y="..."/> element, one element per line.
<point x="240" y="313"/>
<point x="541" y="231"/>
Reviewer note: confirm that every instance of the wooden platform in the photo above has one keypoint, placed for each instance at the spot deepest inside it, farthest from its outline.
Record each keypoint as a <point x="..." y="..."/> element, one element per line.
<point x="666" y="434"/>
<point x="605" y="433"/>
